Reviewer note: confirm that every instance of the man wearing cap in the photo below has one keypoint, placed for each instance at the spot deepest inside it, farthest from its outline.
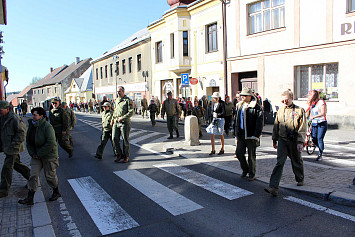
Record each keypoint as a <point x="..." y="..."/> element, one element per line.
<point x="121" y="121"/>
<point x="172" y="109"/>
<point x="60" y="122"/>
<point x="106" y="129"/>
<point x="248" y="126"/>
<point x="72" y="121"/>
<point x="12" y="137"/>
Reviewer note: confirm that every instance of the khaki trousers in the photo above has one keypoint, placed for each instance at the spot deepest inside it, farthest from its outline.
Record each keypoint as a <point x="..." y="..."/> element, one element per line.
<point x="49" y="166"/>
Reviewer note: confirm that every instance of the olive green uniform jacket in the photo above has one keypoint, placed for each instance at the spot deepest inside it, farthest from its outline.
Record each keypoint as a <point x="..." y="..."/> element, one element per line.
<point x="171" y="108"/>
<point x="72" y="117"/>
<point x="123" y="109"/>
<point x="106" y="120"/>
<point x="59" y="120"/>
<point x="46" y="145"/>
<point x="13" y="134"/>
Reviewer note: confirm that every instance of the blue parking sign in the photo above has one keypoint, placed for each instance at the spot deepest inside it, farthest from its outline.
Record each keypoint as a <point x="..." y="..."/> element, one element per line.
<point x="185" y="79"/>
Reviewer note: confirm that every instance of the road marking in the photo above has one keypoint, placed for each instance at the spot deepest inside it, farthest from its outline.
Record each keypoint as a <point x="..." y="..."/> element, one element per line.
<point x="137" y="132"/>
<point x="216" y="186"/>
<point x="108" y="216"/>
<point x="150" y="135"/>
<point x="171" y="201"/>
<point x="70" y="224"/>
<point x="320" y="208"/>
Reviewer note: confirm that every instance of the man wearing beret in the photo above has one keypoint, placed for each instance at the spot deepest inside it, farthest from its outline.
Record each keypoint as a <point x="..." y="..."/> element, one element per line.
<point x="12" y="137"/>
<point x="60" y="122"/>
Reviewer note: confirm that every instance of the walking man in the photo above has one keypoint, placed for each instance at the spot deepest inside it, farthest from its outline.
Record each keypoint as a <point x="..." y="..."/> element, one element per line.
<point x="60" y="122"/>
<point x="144" y="105"/>
<point x="288" y="138"/>
<point x="72" y="121"/>
<point x="249" y="124"/>
<point x="106" y="129"/>
<point x="152" y="110"/>
<point x="173" y="111"/>
<point x="12" y="137"/>
<point x="121" y="121"/>
<point x="24" y="108"/>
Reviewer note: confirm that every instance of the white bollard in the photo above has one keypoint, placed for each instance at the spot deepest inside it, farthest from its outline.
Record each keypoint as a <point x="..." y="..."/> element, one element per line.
<point x="191" y="131"/>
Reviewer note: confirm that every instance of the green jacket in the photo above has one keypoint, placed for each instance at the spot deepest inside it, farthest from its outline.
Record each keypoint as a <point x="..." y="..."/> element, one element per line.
<point x="230" y="109"/>
<point x="59" y="120"/>
<point x="12" y="133"/>
<point x="45" y="142"/>
<point x="123" y="109"/>
<point x="106" y="120"/>
<point x="72" y="117"/>
<point x="171" y="108"/>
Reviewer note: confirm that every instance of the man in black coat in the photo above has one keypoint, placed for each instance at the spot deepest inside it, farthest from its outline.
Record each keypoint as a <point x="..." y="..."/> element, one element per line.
<point x="248" y="126"/>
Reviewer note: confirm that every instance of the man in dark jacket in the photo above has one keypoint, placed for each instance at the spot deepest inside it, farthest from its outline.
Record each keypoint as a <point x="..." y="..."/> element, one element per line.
<point x="12" y="137"/>
<point x="247" y="130"/>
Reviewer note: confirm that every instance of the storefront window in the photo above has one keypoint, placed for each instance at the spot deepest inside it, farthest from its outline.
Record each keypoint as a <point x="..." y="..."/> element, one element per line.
<point x="321" y="77"/>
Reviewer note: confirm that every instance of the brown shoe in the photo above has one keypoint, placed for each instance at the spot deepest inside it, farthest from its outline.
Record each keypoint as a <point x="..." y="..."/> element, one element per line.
<point x="300" y="183"/>
<point x="272" y="191"/>
<point x="251" y="178"/>
<point x="126" y="160"/>
<point x="118" y="159"/>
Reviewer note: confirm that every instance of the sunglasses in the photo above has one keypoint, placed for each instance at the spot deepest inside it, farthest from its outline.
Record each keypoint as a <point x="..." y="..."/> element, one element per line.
<point x="284" y="101"/>
<point x="54" y="103"/>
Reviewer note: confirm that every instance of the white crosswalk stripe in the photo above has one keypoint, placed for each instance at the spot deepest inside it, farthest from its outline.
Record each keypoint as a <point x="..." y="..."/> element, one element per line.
<point x="108" y="216"/>
<point x="142" y="138"/>
<point x="218" y="187"/>
<point x="171" y="201"/>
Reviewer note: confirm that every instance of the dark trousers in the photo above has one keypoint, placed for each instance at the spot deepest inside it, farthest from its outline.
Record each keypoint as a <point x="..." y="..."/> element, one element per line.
<point x="284" y="149"/>
<point x="242" y="145"/>
<point x="12" y="162"/>
<point x="318" y="134"/>
<point x="63" y="143"/>
<point x="105" y="136"/>
<point x="152" y="118"/>
<point x="118" y="130"/>
<point x="172" y="122"/>
<point x="227" y="123"/>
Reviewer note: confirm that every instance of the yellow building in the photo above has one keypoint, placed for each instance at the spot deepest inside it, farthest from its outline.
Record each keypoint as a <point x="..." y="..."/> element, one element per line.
<point x="81" y="89"/>
<point x="187" y="39"/>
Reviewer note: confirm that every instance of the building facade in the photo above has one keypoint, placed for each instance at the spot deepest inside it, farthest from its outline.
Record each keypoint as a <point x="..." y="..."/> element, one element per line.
<point x="81" y="89"/>
<point x="187" y="39"/>
<point x="274" y="45"/>
<point x="131" y="60"/>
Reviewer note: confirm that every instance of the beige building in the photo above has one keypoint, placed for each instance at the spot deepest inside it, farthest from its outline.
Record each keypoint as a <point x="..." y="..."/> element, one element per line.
<point x="81" y="89"/>
<point x="187" y="39"/>
<point x="131" y="58"/>
<point x="274" y="45"/>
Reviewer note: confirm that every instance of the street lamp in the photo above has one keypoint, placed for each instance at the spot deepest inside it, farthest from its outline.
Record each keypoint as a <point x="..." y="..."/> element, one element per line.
<point x="145" y="75"/>
<point x="115" y="59"/>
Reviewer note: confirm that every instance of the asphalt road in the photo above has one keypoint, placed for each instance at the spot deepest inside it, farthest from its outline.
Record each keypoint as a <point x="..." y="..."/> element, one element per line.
<point x="154" y="195"/>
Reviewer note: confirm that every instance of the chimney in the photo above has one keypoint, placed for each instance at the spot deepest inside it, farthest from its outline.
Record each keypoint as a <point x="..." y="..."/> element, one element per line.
<point x="51" y="69"/>
<point x="77" y="60"/>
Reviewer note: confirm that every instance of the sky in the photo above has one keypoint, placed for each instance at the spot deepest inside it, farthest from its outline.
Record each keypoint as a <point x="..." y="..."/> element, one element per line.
<point x="41" y="34"/>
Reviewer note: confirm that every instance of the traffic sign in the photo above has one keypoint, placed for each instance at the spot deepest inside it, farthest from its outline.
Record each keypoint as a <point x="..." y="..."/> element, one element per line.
<point x="193" y="81"/>
<point x="185" y="79"/>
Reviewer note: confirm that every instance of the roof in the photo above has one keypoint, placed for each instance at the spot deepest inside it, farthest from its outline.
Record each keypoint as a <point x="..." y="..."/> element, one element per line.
<point x="87" y="82"/>
<point x="24" y="91"/>
<point x="67" y="71"/>
<point x="79" y="82"/>
<point x="49" y="76"/>
<point x="132" y="40"/>
<point x="11" y="97"/>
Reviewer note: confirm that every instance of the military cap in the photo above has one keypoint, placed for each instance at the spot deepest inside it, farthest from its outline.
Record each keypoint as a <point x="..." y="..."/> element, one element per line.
<point x="4" y="104"/>
<point x="55" y="100"/>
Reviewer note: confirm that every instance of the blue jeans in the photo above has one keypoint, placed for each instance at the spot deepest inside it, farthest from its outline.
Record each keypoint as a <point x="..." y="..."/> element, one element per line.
<point x="318" y="133"/>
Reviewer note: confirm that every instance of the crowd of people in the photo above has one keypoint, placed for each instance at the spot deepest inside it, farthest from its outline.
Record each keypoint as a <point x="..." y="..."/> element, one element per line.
<point x="245" y="116"/>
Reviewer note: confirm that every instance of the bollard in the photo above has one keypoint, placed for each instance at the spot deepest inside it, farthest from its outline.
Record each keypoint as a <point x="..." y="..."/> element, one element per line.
<point x="191" y="131"/>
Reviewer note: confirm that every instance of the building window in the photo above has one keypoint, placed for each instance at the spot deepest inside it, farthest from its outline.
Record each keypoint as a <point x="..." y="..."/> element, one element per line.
<point x="55" y="90"/>
<point x="185" y="41"/>
<point x="105" y="71"/>
<point x="97" y="74"/>
<point x="159" y="52"/>
<point x="266" y="15"/>
<point x="139" y="62"/>
<point x="124" y="66"/>
<point x="117" y="71"/>
<point x="101" y="72"/>
<point x="34" y="92"/>
<point x="42" y="91"/>
<point x="130" y="65"/>
<point x="212" y="38"/>
<point x="172" y="46"/>
<point x="111" y="70"/>
<point x="48" y="90"/>
<point x="351" y="5"/>
<point x="322" y="77"/>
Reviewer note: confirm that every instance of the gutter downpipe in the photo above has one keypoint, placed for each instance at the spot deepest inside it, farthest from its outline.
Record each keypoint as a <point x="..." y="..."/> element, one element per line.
<point x="224" y="20"/>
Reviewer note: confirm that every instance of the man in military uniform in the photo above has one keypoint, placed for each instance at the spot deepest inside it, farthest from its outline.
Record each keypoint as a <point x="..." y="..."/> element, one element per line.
<point x="144" y="105"/>
<point x="106" y="129"/>
<point x="60" y="122"/>
<point x="24" y="108"/>
<point x="121" y="121"/>
<point x="72" y="121"/>
<point x="12" y="137"/>
<point x="172" y="109"/>
<point x="197" y="111"/>
<point x="152" y="110"/>
<point x="288" y="138"/>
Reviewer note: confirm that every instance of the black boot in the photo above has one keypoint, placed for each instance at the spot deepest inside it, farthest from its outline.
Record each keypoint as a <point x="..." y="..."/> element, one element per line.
<point x="29" y="199"/>
<point x="171" y="136"/>
<point x="177" y="133"/>
<point x="55" y="195"/>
